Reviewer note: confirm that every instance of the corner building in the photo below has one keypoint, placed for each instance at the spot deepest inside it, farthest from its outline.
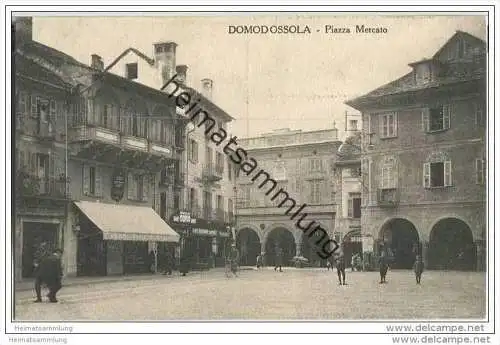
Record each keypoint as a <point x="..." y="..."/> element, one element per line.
<point x="424" y="159"/>
<point x="301" y="164"/>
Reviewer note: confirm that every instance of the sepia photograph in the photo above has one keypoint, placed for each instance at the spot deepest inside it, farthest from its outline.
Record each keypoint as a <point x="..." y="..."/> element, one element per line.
<point x="218" y="167"/>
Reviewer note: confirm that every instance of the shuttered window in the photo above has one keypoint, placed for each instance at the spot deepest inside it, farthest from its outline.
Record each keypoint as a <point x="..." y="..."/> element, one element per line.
<point x="436" y="118"/>
<point x="437" y="174"/>
<point x="388" y="125"/>
<point x="92" y="176"/>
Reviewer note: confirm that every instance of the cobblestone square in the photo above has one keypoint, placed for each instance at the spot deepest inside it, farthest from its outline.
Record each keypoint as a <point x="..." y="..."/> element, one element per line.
<point x="311" y="294"/>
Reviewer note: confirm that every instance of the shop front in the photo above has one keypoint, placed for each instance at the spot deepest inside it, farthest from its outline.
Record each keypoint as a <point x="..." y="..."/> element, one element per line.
<point x="204" y="243"/>
<point x="119" y="239"/>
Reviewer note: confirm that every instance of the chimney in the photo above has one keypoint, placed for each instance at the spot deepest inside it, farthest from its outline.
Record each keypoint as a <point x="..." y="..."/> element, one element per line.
<point x="181" y="72"/>
<point x="206" y="87"/>
<point x="96" y="62"/>
<point x="164" y="53"/>
<point x="23" y="27"/>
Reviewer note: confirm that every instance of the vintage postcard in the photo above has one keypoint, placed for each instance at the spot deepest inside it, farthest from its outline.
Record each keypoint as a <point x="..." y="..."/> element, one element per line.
<point x="216" y="167"/>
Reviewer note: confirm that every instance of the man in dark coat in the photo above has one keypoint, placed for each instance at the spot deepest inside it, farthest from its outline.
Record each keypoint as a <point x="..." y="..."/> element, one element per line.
<point x="340" y="263"/>
<point x="279" y="260"/>
<point x="42" y="252"/>
<point x="418" y="267"/>
<point x="384" y="266"/>
<point x="50" y="271"/>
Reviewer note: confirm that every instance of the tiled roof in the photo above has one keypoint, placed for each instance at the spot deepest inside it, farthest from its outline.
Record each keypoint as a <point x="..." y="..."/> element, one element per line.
<point x="31" y="69"/>
<point x="450" y="72"/>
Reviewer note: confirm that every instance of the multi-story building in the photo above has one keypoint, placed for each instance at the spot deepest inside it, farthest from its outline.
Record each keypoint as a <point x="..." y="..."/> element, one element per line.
<point x="202" y="208"/>
<point x="349" y="189"/>
<point x="301" y="163"/>
<point x="101" y="132"/>
<point x="423" y="159"/>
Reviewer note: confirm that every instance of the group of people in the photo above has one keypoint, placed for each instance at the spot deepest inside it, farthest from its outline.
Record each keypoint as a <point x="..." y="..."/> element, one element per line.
<point x="47" y="271"/>
<point x="384" y="263"/>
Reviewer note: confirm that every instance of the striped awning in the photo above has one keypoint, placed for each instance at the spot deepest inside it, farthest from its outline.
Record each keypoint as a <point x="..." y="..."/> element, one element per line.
<point x="128" y="222"/>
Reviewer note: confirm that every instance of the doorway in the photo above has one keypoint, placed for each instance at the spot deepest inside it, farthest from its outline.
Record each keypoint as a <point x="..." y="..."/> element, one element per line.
<point x="34" y="234"/>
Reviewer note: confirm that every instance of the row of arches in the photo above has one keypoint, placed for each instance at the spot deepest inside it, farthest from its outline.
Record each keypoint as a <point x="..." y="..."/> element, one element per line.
<point x="451" y="245"/>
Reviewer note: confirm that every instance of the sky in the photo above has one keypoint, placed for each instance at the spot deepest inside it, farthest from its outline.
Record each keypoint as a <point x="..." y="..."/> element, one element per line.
<point x="269" y="81"/>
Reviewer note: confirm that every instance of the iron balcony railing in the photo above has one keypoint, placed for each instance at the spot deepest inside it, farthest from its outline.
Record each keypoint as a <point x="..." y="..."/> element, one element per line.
<point x="388" y="197"/>
<point x="210" y="173"/>
<point x="51" y="187"/>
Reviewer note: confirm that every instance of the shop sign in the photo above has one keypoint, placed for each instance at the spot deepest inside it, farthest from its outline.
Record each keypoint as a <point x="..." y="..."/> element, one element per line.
<point x="184" y="218"/>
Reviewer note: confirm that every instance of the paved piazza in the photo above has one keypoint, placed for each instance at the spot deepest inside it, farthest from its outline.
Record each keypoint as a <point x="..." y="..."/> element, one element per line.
<point x="265" y="294"/>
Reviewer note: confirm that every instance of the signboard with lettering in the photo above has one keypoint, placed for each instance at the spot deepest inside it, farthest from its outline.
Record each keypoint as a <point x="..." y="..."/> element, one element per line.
<point x="184" y="217"/>
<point x="117" y="185"/>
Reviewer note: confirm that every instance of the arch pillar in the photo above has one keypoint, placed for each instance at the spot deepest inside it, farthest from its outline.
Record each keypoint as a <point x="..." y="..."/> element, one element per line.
<point x="480" y="255"/>
<point x="425" y="251"/>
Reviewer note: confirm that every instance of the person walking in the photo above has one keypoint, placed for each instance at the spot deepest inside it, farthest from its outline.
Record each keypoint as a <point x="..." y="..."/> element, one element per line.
<point x="279" y="260"/>
<point x="384" y="266"/>
<point x="51" y="273"/>
<point x="418" y="267"/>
<point x="41" y="253"/>
<point x="235" y="258"/>
<point x="340" y="264"/>
<point x="259" y="261"/>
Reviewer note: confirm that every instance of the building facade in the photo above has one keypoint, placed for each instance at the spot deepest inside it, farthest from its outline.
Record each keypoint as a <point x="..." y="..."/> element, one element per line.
<point x="347" y="172"/>
<point x="202" y="207"/>
<point x="300" y="163"/>
<point x="424" y="159"/>
<point x="101" y="136"/>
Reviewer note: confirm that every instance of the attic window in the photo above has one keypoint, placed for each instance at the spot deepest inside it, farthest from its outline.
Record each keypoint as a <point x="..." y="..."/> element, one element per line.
<point x="159" y="49"/>
<point x="131" y="70"/>
<point x="422" y="73"/>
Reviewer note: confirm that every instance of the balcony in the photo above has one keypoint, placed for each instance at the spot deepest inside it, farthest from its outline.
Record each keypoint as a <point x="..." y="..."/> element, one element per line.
<point x="195" y="211"/>
<point x="388" y="198"/>
<point x="166" y="179"/>
<point x="207" y="213"/>
<point x="111" y="136"/>
<point x="46" y="133"/>
<point x="211" y="174"/>
<point x="30" y="186"/>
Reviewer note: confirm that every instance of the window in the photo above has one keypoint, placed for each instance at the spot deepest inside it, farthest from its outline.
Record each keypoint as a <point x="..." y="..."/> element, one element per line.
<point x="480" y="171"/>
<point x="244" y="197"/>
<point x="389" y="178"/>
<point x="315" y="196"/>
<point x="92" y="181"/>
<point x="436" y="119"/>
<point x="209" y="157"/>
<point x="279" y="171"/>
<point x="220" y="202"/>
<point x="353" y="125"/>
<point x="131" y="70"/>
<point x="207" y="205"/>
<point x="388" y="125"/>
<point x="193" y="199"/>
<point x="229" y="169"/>
<point x="315" y="165"/>
<point x="354" y="205"/>
<point x="220" y="162"/>
<point x="437" y="174"/>
<point x="230" y="209"/>
<point x="479" y="113"/>
<point x="355" y="172"/>
<point x="193" y="151"/>
<point x="137" y="187"/>
<point x="422" y="73"/>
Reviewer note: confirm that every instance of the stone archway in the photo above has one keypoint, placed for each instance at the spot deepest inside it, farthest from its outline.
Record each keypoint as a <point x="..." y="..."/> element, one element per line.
<point x="451" y="245"/>
<point x="352" y="245"/>
<point x="248" y="244"/>
<point x="280" y="238"/>
<point x="399" y="238"/>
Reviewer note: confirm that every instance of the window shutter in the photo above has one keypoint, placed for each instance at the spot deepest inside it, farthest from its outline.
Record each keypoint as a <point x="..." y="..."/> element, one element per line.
<point x="381" y="119"/>
<point x="447" y="173"/>
<point x="34" y="106"/>
<point x="52" y="110"/>
<point x="145" y="188"/>
<point x="479" y="176"/>
<point x="52" y="165"/>
<point x="131" y="186"/>
<point x="98" y="181"/>
<point x="395" y="125"/>
<point x="446" y="116"/>
<point x="90" y="111"/>
<point x="425" y="120"/>
<point x="427" y="175"/>
<point x="86" y="180"/>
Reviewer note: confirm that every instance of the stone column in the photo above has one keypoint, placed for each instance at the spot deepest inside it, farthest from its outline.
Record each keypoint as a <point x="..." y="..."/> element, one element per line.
<point x="263" y="253"/>
<point x="425" y="253"/>
<point x="298" y="249"/>
<point x="480" y="255"/>
<point x="70" y="250"/>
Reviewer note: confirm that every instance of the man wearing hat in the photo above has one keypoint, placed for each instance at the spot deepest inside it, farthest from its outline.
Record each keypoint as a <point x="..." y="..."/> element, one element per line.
<point x="50" y="273"/>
